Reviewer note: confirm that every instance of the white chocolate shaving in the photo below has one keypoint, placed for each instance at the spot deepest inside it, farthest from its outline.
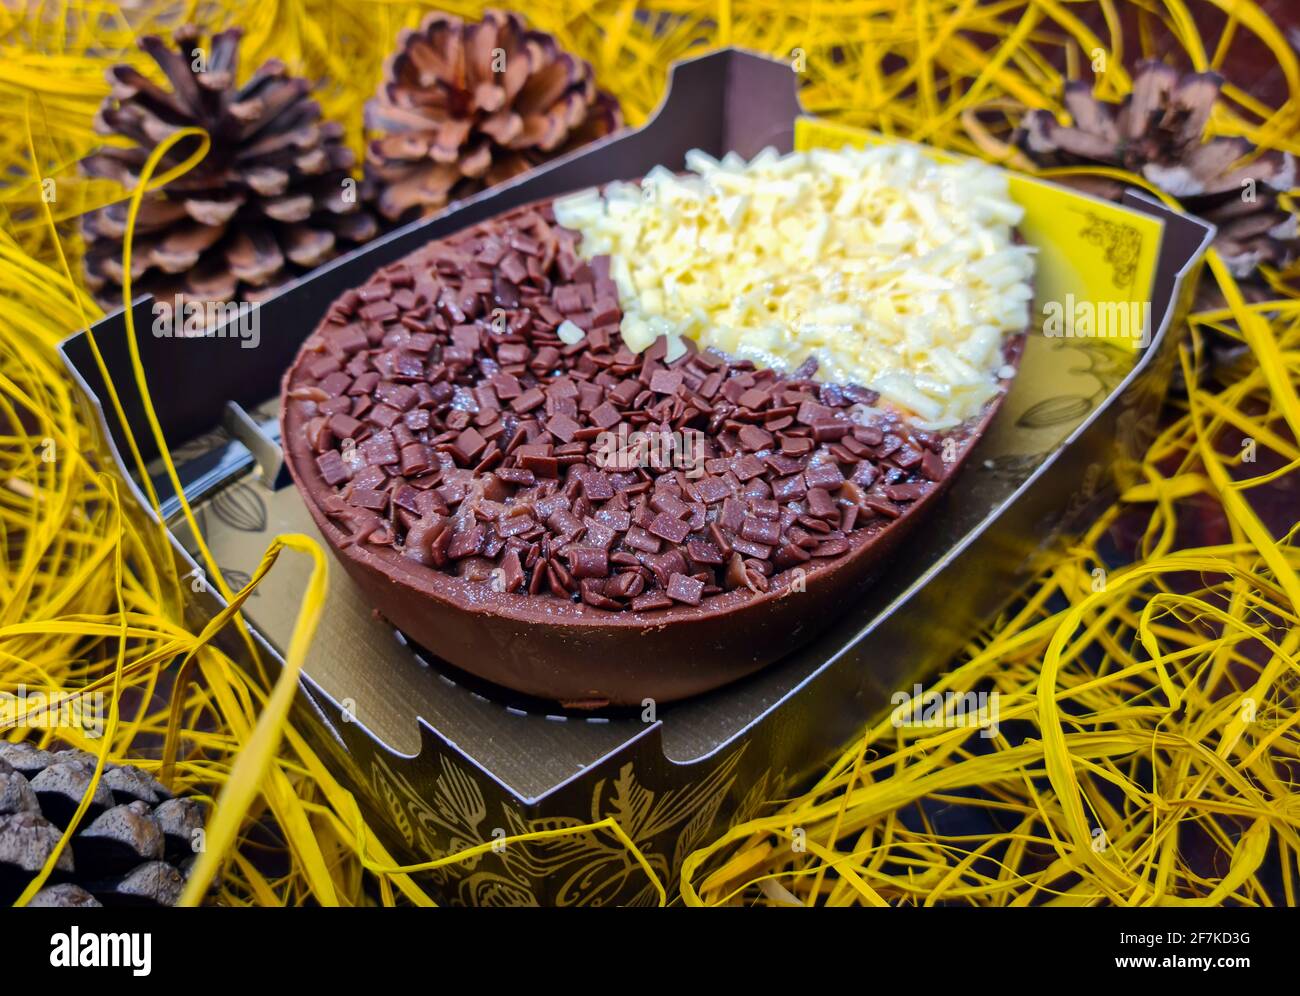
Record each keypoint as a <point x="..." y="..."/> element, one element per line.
<point x="891" y="270"/>
<point x="569" y="333"/>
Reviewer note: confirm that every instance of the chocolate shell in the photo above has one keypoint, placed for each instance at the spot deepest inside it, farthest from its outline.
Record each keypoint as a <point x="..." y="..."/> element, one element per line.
<point x="567" y="650"/>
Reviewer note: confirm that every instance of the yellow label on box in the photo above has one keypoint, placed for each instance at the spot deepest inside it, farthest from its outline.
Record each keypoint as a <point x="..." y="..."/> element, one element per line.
<point x="1096" y="261"/>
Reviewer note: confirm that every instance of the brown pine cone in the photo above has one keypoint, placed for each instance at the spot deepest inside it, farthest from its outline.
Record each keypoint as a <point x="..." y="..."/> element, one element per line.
<point x="1159" y="132"/>
<point x="132" y="847"/>
<point x="272" y="198"/>
<point x="465" y="105"/>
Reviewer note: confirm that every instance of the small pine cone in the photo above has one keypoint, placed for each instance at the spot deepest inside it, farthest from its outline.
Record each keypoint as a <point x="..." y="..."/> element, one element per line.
<point x="129" y="848"/>
<point x="272" y="198"/>
<point x="465" y="105"/>
<point x="1158" y="131"/>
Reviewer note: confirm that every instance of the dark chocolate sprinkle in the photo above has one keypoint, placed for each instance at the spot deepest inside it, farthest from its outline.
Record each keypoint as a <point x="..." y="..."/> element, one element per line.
<point x="470" y="444"/>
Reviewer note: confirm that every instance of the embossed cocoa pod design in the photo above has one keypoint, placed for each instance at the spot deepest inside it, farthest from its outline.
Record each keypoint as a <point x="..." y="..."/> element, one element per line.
<point x="240" y="507"/>
<point x="1060" y="410"/>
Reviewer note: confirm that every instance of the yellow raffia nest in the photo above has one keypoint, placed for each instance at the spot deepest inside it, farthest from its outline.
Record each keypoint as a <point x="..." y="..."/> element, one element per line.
<point x="1149" y="723"/>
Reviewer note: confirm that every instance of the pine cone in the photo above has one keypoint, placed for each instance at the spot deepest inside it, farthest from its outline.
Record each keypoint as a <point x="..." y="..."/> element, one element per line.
<point x="129" y="847"/>
<point x="1159" y="132"/>
<point x="268" y="201"/>
<point x="463" y="106"/>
